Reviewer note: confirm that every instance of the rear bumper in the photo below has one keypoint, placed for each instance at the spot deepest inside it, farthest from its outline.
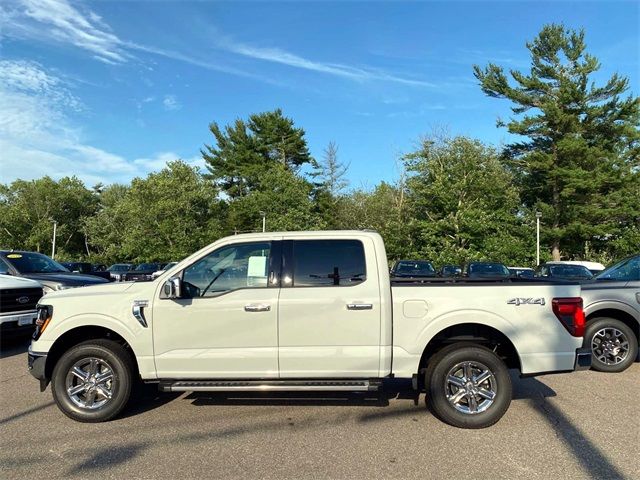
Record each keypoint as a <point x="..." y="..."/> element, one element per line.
<point x="36" y="363"/>
<point x="583" y="359"/>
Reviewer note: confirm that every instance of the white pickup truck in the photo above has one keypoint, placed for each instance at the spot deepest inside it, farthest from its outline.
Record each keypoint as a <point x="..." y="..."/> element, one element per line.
<point x="305" y="311"/>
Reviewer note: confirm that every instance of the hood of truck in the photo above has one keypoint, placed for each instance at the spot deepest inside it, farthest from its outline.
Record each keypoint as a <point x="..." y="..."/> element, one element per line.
<point x="100" y="290"/>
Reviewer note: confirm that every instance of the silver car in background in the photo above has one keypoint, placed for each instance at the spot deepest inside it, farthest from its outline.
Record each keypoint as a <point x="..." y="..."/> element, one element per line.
<point x="612" y="308"/>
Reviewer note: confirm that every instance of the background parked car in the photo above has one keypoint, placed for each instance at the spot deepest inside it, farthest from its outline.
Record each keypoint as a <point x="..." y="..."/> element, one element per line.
<point x="169" y="265"/>
<point x="593" y="267"/>
<point x="612" y="308"/>
<point x="563" y="271"/>
<point x="485" y="270"/>
<point x="522" y="272"/>
<point x="413" y="268"/>
<point x="87" y="268"/>
<point x="450" y="271"/>
<point x="142" y="272"/>
<point x="117" y="270"/>
<point x="18" y="299"/>
<point x="48" y="272"/>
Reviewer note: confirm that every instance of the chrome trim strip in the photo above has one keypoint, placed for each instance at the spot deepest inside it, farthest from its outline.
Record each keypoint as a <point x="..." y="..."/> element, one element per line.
<point x="138" y="311"/>
<point x="265" y="388"/>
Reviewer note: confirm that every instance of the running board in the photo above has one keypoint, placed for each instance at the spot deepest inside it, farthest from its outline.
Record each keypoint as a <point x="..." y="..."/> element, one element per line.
<point x="270" y="385"/>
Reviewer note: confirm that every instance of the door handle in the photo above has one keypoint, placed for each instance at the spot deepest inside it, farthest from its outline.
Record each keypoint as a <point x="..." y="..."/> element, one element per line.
<point x="359" y="306"/>
<point x="257" y="307"/>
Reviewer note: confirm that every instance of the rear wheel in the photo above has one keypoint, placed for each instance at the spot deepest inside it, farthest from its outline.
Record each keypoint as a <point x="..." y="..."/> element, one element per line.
<point x="92" y="381"/>
<point x="468" y="386"/>
<point x="613" y="345"/>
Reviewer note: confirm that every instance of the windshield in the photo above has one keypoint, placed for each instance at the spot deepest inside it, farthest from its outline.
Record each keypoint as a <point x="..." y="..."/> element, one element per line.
<point x="119" y="267"/>
<point x="147" y="267"/>
<point x="626" y="270"/>
<point x="31" y="262"/>
<point x="521" y="272"/>
<point x="570" y="271"/>
<point x="488" y="269"/>
<point x="414" y="268"/>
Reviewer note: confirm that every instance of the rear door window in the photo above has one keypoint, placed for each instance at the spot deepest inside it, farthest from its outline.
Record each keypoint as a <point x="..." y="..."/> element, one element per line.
<point x="326" y="263"/>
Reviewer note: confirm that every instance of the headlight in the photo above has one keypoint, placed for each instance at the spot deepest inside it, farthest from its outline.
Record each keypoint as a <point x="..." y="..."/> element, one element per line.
<point x="47" y="289"/>
<point x="45" y="313"/>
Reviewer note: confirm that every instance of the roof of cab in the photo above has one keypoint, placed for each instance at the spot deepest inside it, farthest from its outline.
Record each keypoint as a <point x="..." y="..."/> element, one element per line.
<point x="307" y="233"/>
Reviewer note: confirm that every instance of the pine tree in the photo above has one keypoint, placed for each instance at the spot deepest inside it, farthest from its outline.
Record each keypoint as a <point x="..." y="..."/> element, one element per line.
<point x="331" y="171"/>
<point x="579" y="160"/>
<point x="246" y="149"/>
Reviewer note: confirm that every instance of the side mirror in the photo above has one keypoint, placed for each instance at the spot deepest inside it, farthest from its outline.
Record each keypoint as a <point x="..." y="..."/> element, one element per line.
<point x="172" y="288"/>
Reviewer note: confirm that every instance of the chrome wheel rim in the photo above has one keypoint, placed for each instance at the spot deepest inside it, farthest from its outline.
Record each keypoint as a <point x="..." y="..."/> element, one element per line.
<point x="470" y="387"/>
<point x="610" y="346"/>
<point x="90" y="383"/>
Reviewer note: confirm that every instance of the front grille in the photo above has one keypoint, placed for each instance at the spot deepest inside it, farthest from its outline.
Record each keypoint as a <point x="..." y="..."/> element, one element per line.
<point x="19" y="299"/>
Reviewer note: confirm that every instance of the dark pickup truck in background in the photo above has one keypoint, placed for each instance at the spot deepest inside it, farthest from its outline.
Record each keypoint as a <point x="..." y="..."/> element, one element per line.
<point x="142" y="273"/>
<point x="43" y="269"/>
<point x="86" y="268"/>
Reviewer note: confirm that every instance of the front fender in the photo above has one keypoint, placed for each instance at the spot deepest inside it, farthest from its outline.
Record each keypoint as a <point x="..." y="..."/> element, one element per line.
<point x="138" y="337"/>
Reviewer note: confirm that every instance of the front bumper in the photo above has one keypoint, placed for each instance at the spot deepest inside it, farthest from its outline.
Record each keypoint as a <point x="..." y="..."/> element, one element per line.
<point x="36" y="365"/>
<point x="583" y="359"/>
<point x="17" y="323"/>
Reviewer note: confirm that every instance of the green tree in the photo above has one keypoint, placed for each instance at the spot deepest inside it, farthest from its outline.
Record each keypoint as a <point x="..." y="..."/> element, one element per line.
<point x="578" y="162"/>
<point x="165" y="216"/>
<point x="330" y="182"/>
<point x="383" y="209"/>
<point x="464" y="204"/>
<point x="331" y="172"/>
<point x="29" y="208"/>
<point x="284" y="197"/>
<point x="246" y="149"/>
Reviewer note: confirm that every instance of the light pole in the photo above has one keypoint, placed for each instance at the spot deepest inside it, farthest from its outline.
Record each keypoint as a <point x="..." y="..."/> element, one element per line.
<point x="538" y="216"/>
<point x="53" y="247"/>
<point x="264" y="221"/>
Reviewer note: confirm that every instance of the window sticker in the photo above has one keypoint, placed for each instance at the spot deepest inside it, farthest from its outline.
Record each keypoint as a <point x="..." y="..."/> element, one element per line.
<point x="257" y="267"/>
<point x="14" y="255"/>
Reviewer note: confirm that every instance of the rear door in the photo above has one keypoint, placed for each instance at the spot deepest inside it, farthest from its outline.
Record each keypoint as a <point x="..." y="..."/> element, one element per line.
<point x="329" y="309"/>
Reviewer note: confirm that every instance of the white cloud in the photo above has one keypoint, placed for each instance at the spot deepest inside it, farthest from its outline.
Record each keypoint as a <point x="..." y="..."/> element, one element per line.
<point x="60" y="21"/>
<point x="38" y="136"/>
<point x="170" y="102"/>
<point x="160" y="160"/>
<point x="283" y="57"/>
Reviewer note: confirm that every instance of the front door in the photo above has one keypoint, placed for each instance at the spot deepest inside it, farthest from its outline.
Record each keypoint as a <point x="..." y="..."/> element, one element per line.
<point x="225" y="323"/>
<point x="329" y="310"/>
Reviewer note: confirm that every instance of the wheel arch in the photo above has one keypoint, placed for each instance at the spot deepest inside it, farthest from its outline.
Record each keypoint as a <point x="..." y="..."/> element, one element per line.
<point x="618" y="314"/>
<point x="472" y="333"/>
<point x="81" y="334"/>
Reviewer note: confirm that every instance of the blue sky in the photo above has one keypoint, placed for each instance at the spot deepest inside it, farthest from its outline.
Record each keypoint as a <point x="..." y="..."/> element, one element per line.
<point x="111" y="90"/>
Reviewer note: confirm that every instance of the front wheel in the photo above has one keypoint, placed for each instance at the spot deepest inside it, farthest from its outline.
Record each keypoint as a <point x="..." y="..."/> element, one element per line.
<point x="92" y="381"/>
<point x="468" y="386"/>
<point x="613" y="344"/>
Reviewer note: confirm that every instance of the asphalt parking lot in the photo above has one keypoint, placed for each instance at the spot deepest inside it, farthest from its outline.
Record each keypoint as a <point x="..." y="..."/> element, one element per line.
<point x="581" y="425"/>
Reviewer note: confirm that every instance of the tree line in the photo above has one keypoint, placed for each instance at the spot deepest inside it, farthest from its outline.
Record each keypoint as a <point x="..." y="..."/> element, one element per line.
<point x="576" y="161"/>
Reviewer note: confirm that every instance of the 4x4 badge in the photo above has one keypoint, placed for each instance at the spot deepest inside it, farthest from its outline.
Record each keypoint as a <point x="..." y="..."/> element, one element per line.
<point x="525" y="301"/>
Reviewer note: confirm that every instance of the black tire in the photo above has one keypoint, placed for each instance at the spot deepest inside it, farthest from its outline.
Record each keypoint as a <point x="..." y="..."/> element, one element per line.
<point x="109" y="357"/>
<point x="486" y="412"/>
<point x="606" y="361"/>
